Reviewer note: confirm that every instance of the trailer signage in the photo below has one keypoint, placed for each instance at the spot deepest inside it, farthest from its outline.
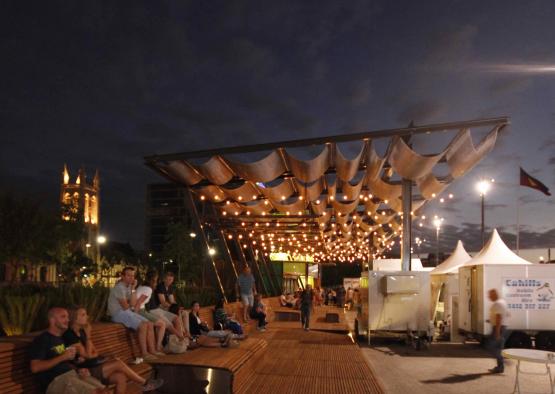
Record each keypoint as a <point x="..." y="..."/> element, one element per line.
<point x="529" y="294"/>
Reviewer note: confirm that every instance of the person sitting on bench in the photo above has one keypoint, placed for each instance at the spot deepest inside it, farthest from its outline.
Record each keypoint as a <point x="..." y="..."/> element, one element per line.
<point x="121" y="304"/>
<point x="201" y="333"/>
<point x="51" y="360"/>
<point x="108" y="372"/>
<point x="284" y="302"/>
<point x="148" y="305"/>
<point x="258" y="312"/>
<point x="227" y="323"/>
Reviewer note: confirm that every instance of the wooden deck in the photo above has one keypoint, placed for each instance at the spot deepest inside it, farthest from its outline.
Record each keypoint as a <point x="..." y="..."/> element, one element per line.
<point x="304" y="362"/>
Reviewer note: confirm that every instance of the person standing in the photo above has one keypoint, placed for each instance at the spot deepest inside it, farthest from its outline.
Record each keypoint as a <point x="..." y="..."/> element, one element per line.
<point x="307" y="297"/>
<point x="246" y="289"/>
<point x="498" y="314"/>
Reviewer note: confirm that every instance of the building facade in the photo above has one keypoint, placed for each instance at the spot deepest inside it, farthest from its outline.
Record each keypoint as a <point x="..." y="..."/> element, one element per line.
<point x="165" y="204"/>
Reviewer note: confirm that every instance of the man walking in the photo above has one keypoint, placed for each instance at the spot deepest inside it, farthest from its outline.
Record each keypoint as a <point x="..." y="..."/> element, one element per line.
<point x="498" y="314"/>
<point x="246" y="288"/>
<point x="307" y="297"/>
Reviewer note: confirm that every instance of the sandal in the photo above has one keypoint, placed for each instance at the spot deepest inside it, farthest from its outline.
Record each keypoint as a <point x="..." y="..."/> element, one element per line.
<point x="153" y="384"/>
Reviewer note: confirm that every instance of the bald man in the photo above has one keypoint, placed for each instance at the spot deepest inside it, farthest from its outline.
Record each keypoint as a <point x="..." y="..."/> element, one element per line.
<point x="50" y="360"/>
<point x="498" y="314"/>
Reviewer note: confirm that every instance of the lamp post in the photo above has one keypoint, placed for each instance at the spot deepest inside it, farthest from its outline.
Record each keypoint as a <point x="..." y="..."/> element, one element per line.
<point x="437" y="224"/>
<point x="483" y="186"/>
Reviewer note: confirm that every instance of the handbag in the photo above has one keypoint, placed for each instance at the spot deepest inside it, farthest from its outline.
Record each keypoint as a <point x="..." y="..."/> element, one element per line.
<point x="176" y="345"/>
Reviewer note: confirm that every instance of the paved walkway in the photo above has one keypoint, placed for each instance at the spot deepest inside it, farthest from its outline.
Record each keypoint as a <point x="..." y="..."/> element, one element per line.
<point x="447" y="369"/>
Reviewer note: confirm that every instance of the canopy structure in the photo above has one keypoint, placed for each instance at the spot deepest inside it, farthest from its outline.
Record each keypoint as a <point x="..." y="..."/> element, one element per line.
<point x="334" y="207"/>
<point x="452" y="264"/>
<point x="496" y="252"/>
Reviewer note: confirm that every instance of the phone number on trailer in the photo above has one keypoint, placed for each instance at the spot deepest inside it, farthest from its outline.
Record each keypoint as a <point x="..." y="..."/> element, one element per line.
<point x="528" y="306"/>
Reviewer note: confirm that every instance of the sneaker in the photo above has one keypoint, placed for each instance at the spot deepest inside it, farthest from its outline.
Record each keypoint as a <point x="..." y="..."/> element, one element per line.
<point x="497" y="370"/>
<point x="153" y="384"/>
<point x="233" y="344"/>
<point x="307" y="329"/>
<point x="138" y="360"/>
<point x="261" y="329"/>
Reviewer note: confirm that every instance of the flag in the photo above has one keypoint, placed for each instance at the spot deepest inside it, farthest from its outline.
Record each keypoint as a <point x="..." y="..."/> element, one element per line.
<point x="528" y="180"/>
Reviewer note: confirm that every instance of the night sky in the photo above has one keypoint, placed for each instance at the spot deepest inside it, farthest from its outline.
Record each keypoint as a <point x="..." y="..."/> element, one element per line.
<point x="102" y="84"/>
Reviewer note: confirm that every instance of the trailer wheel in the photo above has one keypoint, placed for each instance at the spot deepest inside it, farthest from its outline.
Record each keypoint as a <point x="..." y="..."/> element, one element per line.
<point x="545" y="340"/>
<point x="519" y="339"/>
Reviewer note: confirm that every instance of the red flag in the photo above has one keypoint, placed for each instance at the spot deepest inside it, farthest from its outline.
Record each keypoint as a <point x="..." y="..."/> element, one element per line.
<point x="528" y="180"/>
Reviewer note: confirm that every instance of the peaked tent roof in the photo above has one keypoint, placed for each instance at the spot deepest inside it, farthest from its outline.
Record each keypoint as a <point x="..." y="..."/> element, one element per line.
<point x="496" y="252"/>
<point x="452" y="264"/>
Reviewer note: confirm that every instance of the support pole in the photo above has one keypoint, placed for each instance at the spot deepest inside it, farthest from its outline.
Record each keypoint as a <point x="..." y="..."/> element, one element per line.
<point x="518" y="221"/>
<point x="255" y="263"/>
<point x="228" y="252"/>
<point x="271" y="275"/>
<point x="222" y="238"/>
<point x="483" y="220"/>
<point x="193" y="209"/>
<point x="407" y="222"/>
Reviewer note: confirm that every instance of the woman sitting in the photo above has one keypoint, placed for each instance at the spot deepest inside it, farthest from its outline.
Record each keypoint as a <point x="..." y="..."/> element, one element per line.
<point x="108" y="372"/>
<point x="227" y="323"/>
<point x="284" y="302"/>
<point x="201" y="333"/>
<point x="258" y="312"/>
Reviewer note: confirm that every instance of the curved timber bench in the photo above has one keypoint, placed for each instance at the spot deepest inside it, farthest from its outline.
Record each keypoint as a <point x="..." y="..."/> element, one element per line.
<point x="110" y="339"/>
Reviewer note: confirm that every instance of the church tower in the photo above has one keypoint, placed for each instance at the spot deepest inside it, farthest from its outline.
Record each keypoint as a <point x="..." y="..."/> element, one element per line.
<point x="80" y="201"/>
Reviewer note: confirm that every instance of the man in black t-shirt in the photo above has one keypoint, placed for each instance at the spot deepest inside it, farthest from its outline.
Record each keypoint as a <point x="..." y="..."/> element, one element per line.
<point x="50" y="360"/>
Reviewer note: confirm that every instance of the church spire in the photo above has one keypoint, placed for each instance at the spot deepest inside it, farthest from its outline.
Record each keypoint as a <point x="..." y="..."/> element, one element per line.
<point x="65" y="175"/>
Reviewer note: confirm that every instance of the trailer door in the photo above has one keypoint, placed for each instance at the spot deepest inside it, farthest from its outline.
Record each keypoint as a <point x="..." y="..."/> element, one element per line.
<point x="474" y="299"/>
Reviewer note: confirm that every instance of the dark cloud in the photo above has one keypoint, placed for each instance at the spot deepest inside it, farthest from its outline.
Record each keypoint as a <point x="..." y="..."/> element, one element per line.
<point x="495" y="206"/>
<point x="421" y="112"/>
<point x="505" y="86"/>
<point x="451" y="49"/>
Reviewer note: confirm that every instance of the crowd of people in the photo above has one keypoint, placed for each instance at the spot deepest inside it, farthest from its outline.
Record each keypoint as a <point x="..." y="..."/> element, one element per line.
<point x="323" y="296"/>
<point x="65" y="359"/>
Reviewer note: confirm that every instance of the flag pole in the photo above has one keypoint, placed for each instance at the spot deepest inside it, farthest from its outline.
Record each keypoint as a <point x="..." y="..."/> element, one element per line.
<point x="518" y="220"/>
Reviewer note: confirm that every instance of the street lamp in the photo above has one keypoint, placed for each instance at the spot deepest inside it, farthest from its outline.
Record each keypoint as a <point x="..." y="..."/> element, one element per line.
<point x="483" y="186"/>
<point x="192" y="235"/>
<point x="437" y="224"/>
<point x="211" y="251"/>
<point x="101" y="239"/>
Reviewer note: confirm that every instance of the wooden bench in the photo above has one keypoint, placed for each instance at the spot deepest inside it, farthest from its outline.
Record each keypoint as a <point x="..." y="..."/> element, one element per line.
<point x="235" y="365"/>
<point x="282" y="313"/>
<point x="109" y="338"/>
<point x="332" y="317"/>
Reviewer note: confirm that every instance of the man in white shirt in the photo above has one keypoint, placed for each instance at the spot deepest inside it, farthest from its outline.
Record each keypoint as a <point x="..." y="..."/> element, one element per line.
<point x="498" y="314"/>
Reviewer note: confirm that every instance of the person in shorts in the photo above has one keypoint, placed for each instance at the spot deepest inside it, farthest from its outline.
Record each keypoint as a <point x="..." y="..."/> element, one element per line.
<point x="149" y="307"/>
<point x="121" y="304"/>
<point x="51" y="360"/>
<point x="108" y="372"/>
<point x="246" y="289"/>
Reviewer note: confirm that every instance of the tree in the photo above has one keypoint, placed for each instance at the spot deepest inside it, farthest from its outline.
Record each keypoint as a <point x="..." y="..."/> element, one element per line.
<point x="179" y="248"/>
<point x="24" y="233"/>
